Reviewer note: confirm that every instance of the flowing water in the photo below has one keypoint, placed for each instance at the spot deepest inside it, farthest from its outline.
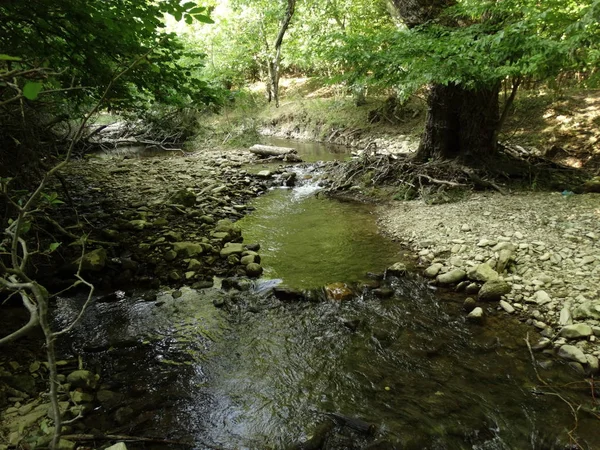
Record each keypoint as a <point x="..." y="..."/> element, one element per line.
<point x="260" y="373"/>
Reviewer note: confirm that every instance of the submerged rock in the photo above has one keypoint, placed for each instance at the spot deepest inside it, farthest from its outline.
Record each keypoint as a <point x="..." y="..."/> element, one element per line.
<point x="572" y="353"/>
<point x="397" y="269"/>
<point x="338" y="291"/>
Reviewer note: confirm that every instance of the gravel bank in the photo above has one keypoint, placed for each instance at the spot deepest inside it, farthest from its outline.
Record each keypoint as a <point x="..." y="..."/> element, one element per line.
<point x="545" y="246"/>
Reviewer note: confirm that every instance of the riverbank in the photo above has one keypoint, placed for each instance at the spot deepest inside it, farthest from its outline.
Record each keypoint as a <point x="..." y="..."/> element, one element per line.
<point x="548" y="245"/>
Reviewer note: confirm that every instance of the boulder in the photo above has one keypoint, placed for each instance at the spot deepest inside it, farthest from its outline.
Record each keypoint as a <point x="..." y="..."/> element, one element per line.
<point x="482" y="272"/>
<point x="227" y="226"/>
<point x="452" y="277"/>
<point x="469" y="304"/>
<point x="493" y="290"/>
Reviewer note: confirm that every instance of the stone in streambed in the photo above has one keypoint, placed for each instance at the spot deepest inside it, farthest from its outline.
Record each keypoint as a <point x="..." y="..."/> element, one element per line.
<point x="587" y="310"/>
<point x="452" y="277"/>
<point x="254" y="270"/>
<point x="188" y="249"/>
<point x="469" y="304"/>
<point x="338" y="291"/>
<point x="572" y="353"/>
<point x="433" y="270"/>
<point x="184" y="197"/>
<point x="476" y="316"/>
<point x="231" y="249"/>
<point x="383" y="292"/>
<point x="249" y="259"/>
<point x="577" y="331"/>
<point x="83" y="379"/>
<point x="397" y="269"/>
<point x="493" y="290"/>
<point x="482" y="272"/>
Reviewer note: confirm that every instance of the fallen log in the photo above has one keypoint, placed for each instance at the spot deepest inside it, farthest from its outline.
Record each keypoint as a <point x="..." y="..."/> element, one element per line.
<point x="270" y="150"/>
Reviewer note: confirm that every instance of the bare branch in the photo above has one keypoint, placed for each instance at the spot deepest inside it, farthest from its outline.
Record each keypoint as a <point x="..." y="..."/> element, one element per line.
<point x="34" y="321"/>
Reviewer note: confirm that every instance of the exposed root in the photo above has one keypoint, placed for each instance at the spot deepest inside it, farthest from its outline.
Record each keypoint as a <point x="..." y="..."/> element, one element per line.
<point x="442" y="181"/>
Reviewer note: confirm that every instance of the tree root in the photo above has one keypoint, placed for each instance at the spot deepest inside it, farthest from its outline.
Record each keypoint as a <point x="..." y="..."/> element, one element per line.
<point x="434" y="180"/>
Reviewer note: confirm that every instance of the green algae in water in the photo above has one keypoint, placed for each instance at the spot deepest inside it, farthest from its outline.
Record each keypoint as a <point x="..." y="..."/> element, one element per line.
<point x="310" y="242"/>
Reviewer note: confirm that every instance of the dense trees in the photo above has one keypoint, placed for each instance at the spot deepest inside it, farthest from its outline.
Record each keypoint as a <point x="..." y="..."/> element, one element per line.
<point x="463" y="52"/>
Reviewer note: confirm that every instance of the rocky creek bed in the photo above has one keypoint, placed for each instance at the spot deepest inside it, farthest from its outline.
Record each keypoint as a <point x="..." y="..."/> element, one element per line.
<point x="530" y="254"/>
<point x="171" y="222"/>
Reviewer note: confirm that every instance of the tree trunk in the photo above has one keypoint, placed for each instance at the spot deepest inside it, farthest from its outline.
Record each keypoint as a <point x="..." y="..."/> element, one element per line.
<point x="461" y="123"/>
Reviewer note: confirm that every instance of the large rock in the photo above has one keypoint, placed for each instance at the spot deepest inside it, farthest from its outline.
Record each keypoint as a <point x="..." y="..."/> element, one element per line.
<point x="577" y="331"/>
<point x="587" y="310"/>
<point x="572" y="353"/>
<point x="188" y="249"/>
<point x="493" y="290"/>
<point x="482" y="272"/>
<point x="452" y="277"/>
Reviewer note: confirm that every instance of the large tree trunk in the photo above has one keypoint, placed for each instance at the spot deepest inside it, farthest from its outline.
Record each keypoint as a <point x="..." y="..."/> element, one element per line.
<point x="461" y="123"/>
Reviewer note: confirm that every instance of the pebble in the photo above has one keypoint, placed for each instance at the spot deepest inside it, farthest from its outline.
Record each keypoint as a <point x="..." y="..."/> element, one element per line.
<point x="507" y="307"/>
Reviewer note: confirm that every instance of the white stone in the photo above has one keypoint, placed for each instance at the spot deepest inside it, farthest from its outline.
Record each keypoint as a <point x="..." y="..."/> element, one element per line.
<point x="507" y="307"/>
<point x="577" y="331"/>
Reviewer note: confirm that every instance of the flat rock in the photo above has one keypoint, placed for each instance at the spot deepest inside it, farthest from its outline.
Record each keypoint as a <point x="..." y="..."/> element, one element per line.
<point x="577" y="331"/>
<point x="231" y="249"/>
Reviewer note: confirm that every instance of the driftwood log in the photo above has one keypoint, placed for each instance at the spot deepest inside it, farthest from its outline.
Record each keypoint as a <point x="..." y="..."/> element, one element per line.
<point x="270" y="151"/>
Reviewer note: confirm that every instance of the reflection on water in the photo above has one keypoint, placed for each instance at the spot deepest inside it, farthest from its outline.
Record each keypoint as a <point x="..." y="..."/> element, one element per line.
<point x="265" y="376"/>
<point x="311" y="151"/>
<point x="309" y="242"/>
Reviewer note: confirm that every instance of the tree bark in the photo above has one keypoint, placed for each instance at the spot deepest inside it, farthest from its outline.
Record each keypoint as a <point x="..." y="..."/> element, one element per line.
<point x="461" y="124"/>
<point x="275" y="62"/>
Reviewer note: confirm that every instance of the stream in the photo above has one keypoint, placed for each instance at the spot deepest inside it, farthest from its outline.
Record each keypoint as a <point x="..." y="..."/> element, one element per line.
<point x="260" y="373"/>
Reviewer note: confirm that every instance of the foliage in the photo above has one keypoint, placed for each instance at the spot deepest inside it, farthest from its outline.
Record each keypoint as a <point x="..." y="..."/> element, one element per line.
<point x="86" y="42"/>
<point x="478" y="44"/>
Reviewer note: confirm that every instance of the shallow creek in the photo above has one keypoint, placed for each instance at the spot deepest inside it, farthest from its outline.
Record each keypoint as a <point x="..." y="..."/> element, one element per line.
<point x="265" y="374"/>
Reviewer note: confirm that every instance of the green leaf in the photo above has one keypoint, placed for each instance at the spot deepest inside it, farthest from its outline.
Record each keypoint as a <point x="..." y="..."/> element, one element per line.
<point x="32" y="89"/>
<point x="9" y="58"/>
<point x="53" y="246"/>
<point x="204" y="19"/>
